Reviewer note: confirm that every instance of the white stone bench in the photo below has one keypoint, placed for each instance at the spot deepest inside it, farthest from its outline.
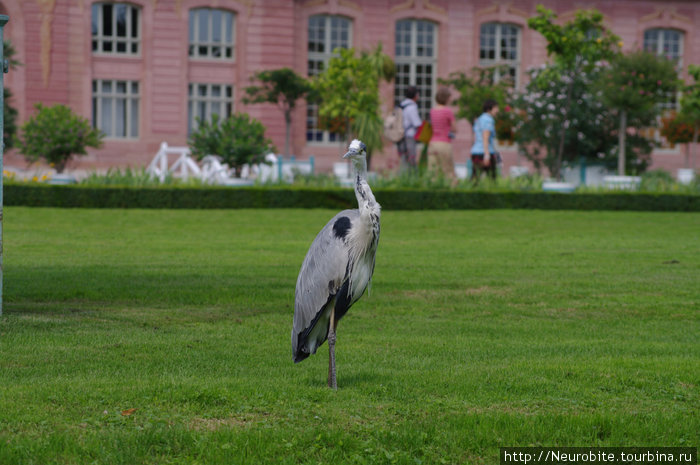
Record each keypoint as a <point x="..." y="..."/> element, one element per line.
<point x="622" y="182"/>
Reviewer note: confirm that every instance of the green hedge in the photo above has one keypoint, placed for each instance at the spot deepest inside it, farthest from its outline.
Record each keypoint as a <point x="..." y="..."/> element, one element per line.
<point x="39" y="195"/>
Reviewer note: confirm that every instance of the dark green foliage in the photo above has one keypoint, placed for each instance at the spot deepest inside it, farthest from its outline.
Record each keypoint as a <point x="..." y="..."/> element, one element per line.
<point x="637" y="82"/>
<point x="558" y="101"/>
<point x="55" y="134"/>
<point x="282" y="87"/>
<point x="238" y="140"/>
<point x="634" y="86"/>
<point x="474" y="89"/>
<point x="390" y="199"/>
<point x="9" y="120"/>
<point x="279" y="86"/>
<point x="348" y="95"/>
<point x="578" y="43"/>
<point x="9" y="112"/>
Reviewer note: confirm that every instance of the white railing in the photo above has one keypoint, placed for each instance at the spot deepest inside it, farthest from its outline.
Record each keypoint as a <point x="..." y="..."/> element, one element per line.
<point x="213" y="171"/>
<point x="183" y="167"/>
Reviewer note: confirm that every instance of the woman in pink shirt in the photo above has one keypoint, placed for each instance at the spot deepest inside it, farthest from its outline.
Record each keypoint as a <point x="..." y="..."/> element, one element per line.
<point x="440" y="148"/>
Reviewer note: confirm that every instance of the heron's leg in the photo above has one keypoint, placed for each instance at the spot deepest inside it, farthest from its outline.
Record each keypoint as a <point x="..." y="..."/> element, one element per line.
<point x="332" y="382"/>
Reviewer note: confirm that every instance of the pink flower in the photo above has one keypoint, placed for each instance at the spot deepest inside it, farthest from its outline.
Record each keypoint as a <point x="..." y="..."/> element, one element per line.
<point x="507" y="108"/>
<point x="641" y="92"/>
<point x="658" y="83"/>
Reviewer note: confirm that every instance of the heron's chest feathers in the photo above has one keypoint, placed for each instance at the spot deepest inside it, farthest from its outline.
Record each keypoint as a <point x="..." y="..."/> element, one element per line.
<point x="363" y="239"/>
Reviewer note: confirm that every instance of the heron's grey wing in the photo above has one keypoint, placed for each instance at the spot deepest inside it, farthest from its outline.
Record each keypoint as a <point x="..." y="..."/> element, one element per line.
<point x="322" y="273"/>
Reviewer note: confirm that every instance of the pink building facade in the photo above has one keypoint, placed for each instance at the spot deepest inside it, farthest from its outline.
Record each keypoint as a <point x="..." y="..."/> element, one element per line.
<point x="142" y="70"/>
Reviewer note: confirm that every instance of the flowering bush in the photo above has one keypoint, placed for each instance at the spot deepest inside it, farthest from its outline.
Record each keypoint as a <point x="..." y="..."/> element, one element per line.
<point x="638" y="82"/>
<point x="676" y="130"/>
<point x="56" y="134"/>
<point x="506" y="121"/>
<point x="588" y="125"/>
<point x="474" y="89"/>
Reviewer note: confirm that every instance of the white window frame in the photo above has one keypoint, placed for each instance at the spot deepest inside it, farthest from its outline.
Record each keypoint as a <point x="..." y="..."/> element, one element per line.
<point x="322" y="59"/>
<point x="131" y="43"/>
<point x="497" y="60"/>
<point x="206" y="49"/>
<point x="207" y="102"/>
<point x="414" y="60"/>
<point x="129" y="99"/>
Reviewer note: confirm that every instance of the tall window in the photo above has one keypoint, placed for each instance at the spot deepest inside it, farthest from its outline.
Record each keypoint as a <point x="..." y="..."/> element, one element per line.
<point x="212" y="34"/>
<point x="416" y="60"/>
<point x="665" y="42"/>
<point x="115" y="108"/>
<point x="205" y="100"/>
<point x="326" y="33"/>
<point x="499" y="44"/>
<point x="669" y="44"/>
<point x="115" y="28"/>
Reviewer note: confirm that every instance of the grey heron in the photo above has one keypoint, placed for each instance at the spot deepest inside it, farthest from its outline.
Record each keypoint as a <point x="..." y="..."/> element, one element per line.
<point x="337" y="269"/>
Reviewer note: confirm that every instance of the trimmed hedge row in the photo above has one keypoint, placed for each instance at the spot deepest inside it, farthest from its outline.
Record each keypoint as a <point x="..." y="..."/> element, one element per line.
<point x="40" y="195"/>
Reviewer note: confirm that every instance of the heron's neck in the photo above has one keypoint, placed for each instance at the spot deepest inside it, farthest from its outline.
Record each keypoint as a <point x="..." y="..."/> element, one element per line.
<point x="365" y="198"/>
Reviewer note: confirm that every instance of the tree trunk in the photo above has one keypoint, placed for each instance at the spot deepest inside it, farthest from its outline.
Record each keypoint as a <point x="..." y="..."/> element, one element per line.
<point x="288" y="123"/>
<point x="621" y="139"/>
<point x="562" y="138"/>
<point x="59" y="166"/>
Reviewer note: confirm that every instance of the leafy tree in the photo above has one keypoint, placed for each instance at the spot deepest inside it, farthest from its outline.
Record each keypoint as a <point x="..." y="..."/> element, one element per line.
<point x="576" y="47"/>
<point x="690" y="108"/>
<point x="678" y="130"/>
<point x="586" y="128"/>
<point x="56" y="134"/>
<point x="635" y="84"/>
<point x="9" y="112"/>
<point x="348" y="95"/>
<point x="475" y="89"/>
<point x="282" y="87"/>
<point x="238" y="140"/>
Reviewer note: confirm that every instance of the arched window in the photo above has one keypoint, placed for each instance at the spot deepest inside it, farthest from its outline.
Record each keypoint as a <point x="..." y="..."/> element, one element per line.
<point x="499" y="44"/>
<point x="326" y="33"/>
<point x="212" y="34"/>
<point x="116" y="28"/>
<point x="416" y="61"/>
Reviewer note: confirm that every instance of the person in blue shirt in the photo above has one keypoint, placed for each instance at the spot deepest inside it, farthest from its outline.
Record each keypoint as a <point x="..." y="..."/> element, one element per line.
<point x="484" y="155"/>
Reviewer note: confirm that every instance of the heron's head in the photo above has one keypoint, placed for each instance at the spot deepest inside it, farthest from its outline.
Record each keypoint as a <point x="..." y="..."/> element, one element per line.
<point x="356" y="151"/>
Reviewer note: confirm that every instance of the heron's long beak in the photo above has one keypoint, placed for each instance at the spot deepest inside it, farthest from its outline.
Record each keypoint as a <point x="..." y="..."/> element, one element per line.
<point x="349" y="154"/>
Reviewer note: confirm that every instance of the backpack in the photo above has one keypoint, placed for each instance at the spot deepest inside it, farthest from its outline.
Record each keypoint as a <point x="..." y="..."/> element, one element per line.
<point x="393" y="125"/>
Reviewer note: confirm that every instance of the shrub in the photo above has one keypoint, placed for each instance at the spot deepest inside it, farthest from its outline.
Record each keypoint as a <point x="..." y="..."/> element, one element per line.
<point x="42" y="195"/>
<point x="238" y="140"/>
<point x="56" y="134"/>
<point x="657" y="181"/>
<point x="137" y="177"/>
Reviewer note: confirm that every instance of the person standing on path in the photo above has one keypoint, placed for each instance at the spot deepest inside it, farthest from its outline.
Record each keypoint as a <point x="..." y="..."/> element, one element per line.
<point x="440" y="159"/>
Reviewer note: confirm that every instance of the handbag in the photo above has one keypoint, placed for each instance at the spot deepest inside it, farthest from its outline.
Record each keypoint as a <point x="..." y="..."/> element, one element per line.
<point x="424" y="133"/>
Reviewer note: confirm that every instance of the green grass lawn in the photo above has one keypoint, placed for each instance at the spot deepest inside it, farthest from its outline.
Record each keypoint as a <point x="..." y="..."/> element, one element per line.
<point x="483" y="329"/>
